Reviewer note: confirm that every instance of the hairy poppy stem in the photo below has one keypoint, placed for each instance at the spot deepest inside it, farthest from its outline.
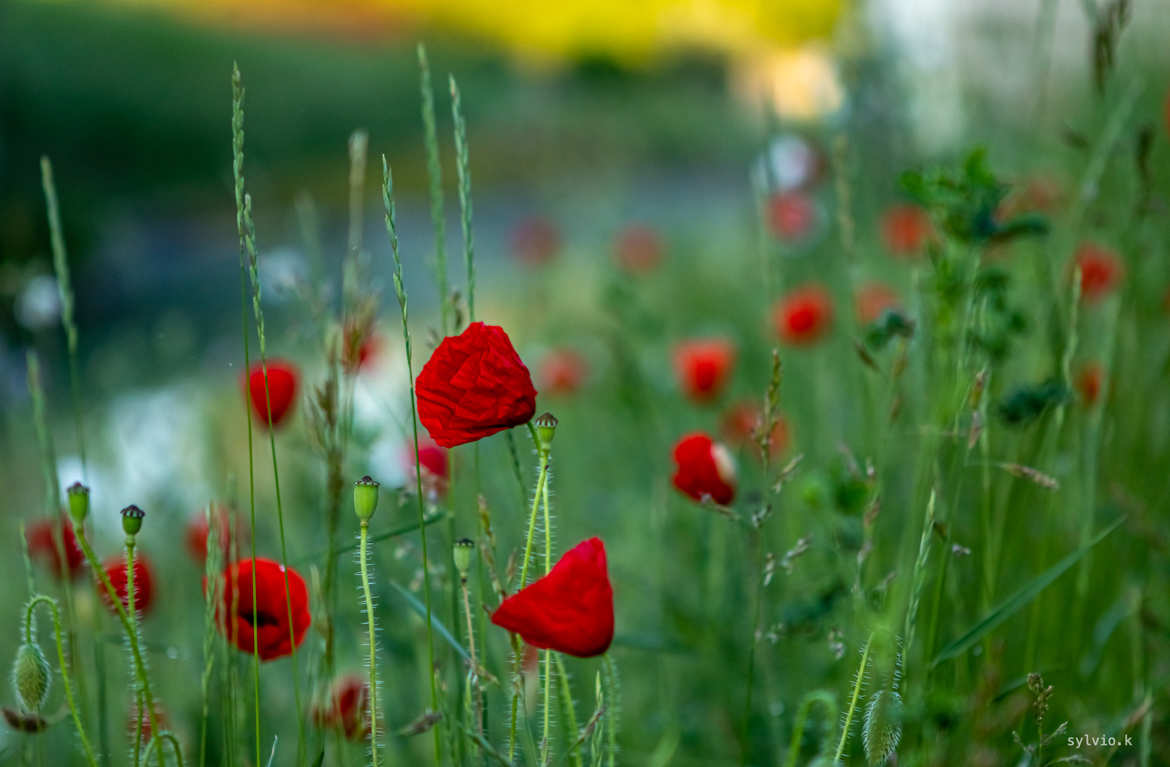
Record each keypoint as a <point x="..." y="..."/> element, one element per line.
<point x="548" y="701"/>
<point x="52" y="603"/>
<point x="373" y="647"/>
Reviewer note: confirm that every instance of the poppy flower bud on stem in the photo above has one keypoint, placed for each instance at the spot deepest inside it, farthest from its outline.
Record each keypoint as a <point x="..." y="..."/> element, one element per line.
<point x="78" y="495"/>
<point x="132" y="517"/>
<point x="546" y="429"/>
<point x="30" y="677"/>
<point x="365" y="498"/>
<point x="464" y="550"/>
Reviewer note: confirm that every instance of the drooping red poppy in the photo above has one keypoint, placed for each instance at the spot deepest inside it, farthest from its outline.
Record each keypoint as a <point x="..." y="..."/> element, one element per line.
<point x="562" y="372"/>
<point x="638" y="249"/>
<point x="474" y="385"/>
<point x="905" y="230"/>
<point x="703" y="367"/>
<point x="704" y="469"/>
<point x="115" y="568"/>
<point x="1088" y="382"/>
<point x="872" y="299"/>
<point x="804" y="315"/>
<point x="791" y="215"/>
<point x="198" y="532"/>
<point x="570" y="610"/>
<point x="42" y="538"/>
<point x="536" y="241"/>
<point x="435" y="463"/>
<point x="742" y="420"/>
<point x="346" y="708"/>
<point x="282" y="390"/>
<point x="269" y="624"/>
<point x="1101" y="270"/>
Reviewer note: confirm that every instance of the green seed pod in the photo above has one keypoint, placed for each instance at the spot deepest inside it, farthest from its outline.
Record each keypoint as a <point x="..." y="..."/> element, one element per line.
<point x="30" y="677"/>
<point x="365" y="497"/>
<point x="463" y="550"/>
<point x="546" y="429"/>
<point x="883" y="726"/>
<point x="132" y="517"/>
<point x="78" y="501"/>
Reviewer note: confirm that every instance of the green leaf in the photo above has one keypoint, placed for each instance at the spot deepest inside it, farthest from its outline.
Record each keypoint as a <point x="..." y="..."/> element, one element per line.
<point x="421" y="611"/>
<point x="1019" y="599"/>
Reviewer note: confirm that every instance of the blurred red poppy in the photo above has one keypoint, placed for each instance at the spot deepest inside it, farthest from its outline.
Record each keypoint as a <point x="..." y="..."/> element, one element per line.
<point x="115" y="568"/>
<point x="474" y="385"/>
<point x="270" y="622"/>
<point x="872" y="299"/>
<point x="703" y="367"/>
<point x="347" y="708"/>
<point x="638" y="249"/>
<point x="1101" y="270"/>
<point x="570" y="610"/>
<point x="435" y="466"/>
<point x="906" y="230"/>
<point x="282" y="390"/>
<point x="562" y="371"/>
<point x="133" y="714"/>
<point x="791" y="215"/>
<point x="361" y="358"/>
<point x="1088" y="382"/>
<point x="198" y="531"/>
<point x="42" y="538"/>
<point x="742" y="420"/>
<point x="802" y="316"/>
<point x="704" y="469"/>
<point x="536" y="241"/>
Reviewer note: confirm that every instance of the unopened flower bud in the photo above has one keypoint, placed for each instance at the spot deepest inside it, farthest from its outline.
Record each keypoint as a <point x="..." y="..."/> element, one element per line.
<point x="30" y="677"/>
<point x="78" y="495"/>
<point x="546" y="429"/>
<point x="132" y="519"/>
<point x="462" y="554"/>
<point x="365" y="497"/>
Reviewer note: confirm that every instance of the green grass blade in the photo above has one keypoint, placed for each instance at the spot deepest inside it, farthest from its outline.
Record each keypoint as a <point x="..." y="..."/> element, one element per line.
<point x="421" y="610"/>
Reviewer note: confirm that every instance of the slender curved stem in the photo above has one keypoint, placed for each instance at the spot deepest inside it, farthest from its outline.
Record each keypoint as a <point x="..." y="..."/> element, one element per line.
<point x="373" y="647"/>
<point x="132" y="610"/>
<point x="169" y="738"/>
<point x="853" y="700"/>
<point x="548" y="702"/>
<point x="52" y="603"/>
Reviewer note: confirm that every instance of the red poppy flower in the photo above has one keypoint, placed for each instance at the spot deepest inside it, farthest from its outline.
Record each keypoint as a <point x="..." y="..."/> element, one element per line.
<point x="42" y="537"/>
<point x="570" y="610"/>
<point x="282" y="390"/>
<point x="474" y="385"/>
<point x="115" y="568"/>
<point x="536" y="241"/>
<point x="1101" y="270"/>
<point x="562" y="371"/>
<point x="347" y="708"/>
<point x="133" y="714"/>
<point x="1088" y="382"/>
<point x="704" y="469"/>
<point x="269" y="624"/>
<point x="741" y="422"/>
<point x="198" y="532"/>
<point x="791" y="215"/>
<point x="703" y="367"/>
<point x="435" y="464"/>
<point x="638" y="249"/>
<point x="803" y="316"/>
<point x="906" y="230"/>
<point x="872" y="299"/>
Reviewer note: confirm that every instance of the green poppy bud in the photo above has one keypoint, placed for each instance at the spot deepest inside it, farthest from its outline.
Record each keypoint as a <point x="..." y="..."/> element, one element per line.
<point x="463" y="551"/>
<point x="546" y="429"/>
<point x="132" y="520"/>
<point x="30" y="677"/>
<point x="365" y="497"/>
<point x="78" y="495"/>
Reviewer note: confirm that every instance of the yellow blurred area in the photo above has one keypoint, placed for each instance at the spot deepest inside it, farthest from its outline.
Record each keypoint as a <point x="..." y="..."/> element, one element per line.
<point x="548" y="31"/>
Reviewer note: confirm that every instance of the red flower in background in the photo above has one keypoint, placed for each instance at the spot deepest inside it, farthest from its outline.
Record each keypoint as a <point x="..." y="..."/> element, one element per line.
<point x="562" y="371"/>
<point x="282" y="390"/>
<point x="1101" y="270"/>
<point x="474" y="385"/>
<point x="143" y="583"/>
<point x="142" y="725"/>
<point x="704" y="469"/>
<point x="536" y="241"/>
<point x="269" y="624"/>
<point x="638" y="249"/>
<point x="872" y="300"/>
<point x="347" y="708"/>
<point x="435" y="463"/>
<point x="703" y="367"/>
<point x="42" y="537"/>
<point x="791" y="215"/>
<point x="1035" y="194"/>
<point x="1088" y="382"/>
<point x="803" y="316"/>
<point x="570" y="610"/>
<point x="198" y="532"/>
<point x="368" y="349"/>
<point x="906" y="230"/>
<point x="742" y="420"/>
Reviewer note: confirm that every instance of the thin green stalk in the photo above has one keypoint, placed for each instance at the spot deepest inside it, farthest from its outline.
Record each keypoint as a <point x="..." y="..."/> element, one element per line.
<point x="463" y="167"/>
<point x="400" y="292"/>
<point x="546" y="742"/>
<point x="247" y="232"/>
<point x="751" y="667"/>
<point x="168" y="737"/>
<point x="857" y="683"/>
<point x="73" y="710"/>
<point x="365" y="531"/>
<point x="569" y="711"/>
<point x="435" y="177"/>
<point x="132" y="610"/>
<point x="613" y="714"/>
<point x="806" y="704"/>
